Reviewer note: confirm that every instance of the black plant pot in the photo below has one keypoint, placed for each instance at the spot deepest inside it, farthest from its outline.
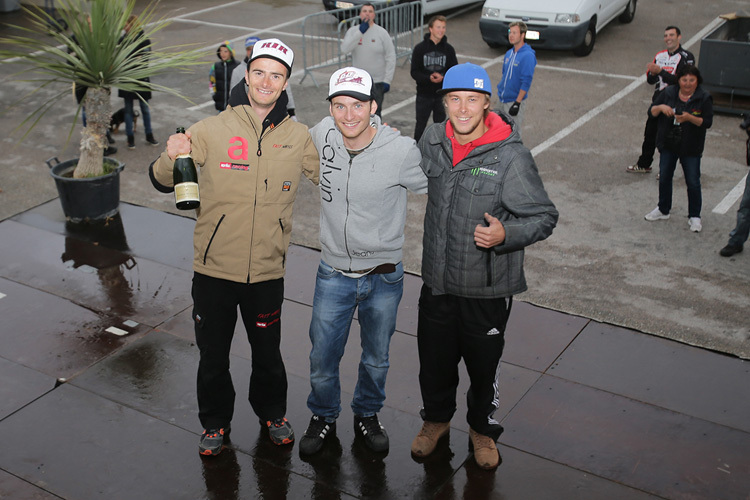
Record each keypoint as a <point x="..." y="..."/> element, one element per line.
<point x="87" y="199"/>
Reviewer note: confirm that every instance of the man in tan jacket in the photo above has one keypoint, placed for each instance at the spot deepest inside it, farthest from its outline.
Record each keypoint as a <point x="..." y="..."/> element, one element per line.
<point x="251" y="157"/>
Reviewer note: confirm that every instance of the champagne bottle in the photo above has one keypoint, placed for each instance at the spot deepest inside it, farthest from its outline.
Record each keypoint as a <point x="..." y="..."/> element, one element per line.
<point x="186" y="195"/>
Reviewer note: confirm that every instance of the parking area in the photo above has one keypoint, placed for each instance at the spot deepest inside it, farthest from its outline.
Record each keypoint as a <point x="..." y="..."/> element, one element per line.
<point x="584" y="124"/>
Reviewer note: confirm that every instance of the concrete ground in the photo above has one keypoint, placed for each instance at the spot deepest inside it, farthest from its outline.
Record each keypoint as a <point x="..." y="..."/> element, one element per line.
<point x="98" y="396"/>
<point x="584" y="124"/>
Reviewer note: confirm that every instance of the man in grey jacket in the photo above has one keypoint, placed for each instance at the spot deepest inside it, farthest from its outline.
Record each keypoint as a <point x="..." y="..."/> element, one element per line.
<point x="367" y="168"/>
<point x="485" y="204"/>
<point x="372" y="49"/>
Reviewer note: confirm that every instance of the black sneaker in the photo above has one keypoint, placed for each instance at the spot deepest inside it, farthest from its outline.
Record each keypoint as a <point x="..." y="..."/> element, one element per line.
<point x="110" y="150"/>
<point x="212" y="441"/>
<point x="730" y="250"/>
<point x="315" y="434"/>
<point x="150" y="139"/>
<point x="279" y="431"/>
<point x="372" y="432"/>
<point x="131" y="142"/>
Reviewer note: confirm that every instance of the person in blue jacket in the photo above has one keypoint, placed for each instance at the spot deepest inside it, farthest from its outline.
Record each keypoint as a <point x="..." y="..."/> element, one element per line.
<point x="518" y="71"/>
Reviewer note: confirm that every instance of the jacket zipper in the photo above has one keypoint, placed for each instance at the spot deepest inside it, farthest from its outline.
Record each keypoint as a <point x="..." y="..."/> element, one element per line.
<point x="346" y="220"/>
<point x="283" y="254"/>
<point x="216" y="230"/>
<point x="489" y="267"/>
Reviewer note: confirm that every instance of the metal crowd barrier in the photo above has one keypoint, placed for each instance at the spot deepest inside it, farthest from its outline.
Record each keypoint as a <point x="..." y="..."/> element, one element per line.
<point x="323" y="32"/>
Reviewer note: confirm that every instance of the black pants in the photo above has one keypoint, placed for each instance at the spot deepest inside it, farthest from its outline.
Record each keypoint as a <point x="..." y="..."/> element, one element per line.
<point x="215" y="304"/>
<point x="649" y="142"/>
<point x="426" y="105"/>
<point x="451" y="328"/>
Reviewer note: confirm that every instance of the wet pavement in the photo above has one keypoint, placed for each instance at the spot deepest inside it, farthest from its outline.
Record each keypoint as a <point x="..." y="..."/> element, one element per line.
<point x="98" y="367"/>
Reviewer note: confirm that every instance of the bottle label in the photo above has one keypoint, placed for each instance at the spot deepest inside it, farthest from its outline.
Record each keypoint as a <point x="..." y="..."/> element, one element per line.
<point x="186" y="191"/>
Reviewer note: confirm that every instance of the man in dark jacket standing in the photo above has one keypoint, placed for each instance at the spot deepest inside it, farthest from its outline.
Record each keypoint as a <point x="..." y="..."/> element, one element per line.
<point x="430" y="59"/>
<point x="486" y="203"/>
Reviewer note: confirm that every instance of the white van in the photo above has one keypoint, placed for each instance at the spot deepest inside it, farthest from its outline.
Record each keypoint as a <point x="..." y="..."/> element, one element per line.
<point x="553" y="24"/>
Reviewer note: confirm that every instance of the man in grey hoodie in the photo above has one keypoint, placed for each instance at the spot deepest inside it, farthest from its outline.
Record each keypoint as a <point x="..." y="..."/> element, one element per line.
<point x="367" y="168"/>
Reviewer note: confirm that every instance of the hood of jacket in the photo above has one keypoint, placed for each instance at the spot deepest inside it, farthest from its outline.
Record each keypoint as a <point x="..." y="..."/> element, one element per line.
<point x="228" y="45"/>
<point x="443" y="41"/>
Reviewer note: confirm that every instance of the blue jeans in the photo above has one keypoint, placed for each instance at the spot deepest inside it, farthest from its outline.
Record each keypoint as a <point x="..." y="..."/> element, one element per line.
<point x="145" y="114"/>
<point x="691" y="167"/>
<point x="739" y="234"/>
<point x="336" y="297"/>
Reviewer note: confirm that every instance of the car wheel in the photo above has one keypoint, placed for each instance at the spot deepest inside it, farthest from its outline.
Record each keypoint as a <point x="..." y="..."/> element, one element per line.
<point x="588" y="41"/>
<point x="629" y="12"/>
<point x="495" y="45"/>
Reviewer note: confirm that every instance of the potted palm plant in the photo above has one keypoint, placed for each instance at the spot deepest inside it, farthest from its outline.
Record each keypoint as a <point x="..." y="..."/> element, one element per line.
<point x="98" y="54"/>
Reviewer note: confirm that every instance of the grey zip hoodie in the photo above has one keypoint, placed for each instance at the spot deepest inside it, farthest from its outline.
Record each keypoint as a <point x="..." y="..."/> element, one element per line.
<point x="363" y="199"/>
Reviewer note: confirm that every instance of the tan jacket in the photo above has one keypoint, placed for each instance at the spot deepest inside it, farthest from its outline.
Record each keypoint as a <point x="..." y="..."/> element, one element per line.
<point x="247" y="189"/>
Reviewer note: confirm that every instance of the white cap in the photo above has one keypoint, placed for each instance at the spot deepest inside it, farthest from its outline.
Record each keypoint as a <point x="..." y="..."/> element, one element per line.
<point x="273" y="48"/>
<point x="352" y="82"/>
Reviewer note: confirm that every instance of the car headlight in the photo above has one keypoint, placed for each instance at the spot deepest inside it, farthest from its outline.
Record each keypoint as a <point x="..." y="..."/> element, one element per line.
<point x="491" y="13"/>
<point x="567" y="18"/>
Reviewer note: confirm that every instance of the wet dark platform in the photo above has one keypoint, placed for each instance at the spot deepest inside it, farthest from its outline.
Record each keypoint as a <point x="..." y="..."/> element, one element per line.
<point x="590" y="410"/>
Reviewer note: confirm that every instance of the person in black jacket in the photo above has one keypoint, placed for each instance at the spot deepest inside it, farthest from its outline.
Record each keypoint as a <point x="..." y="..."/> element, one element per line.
<point x="220" y="76"/>
<point x="685" y="112"/>
<point x="143" y="96"/>
<point x="430" y="59"/>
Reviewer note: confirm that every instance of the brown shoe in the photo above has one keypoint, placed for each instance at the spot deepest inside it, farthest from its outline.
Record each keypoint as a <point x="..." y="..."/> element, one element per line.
<point x="485" y="450"/>
<point x="428" y="438"/>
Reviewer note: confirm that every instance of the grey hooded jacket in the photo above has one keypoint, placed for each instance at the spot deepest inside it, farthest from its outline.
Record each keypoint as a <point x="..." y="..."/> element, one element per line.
<point x="500" y="179"/>
<point x="363" y="199"/>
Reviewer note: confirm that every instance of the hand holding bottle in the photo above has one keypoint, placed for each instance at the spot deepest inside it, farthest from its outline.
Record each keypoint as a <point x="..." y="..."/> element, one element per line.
<point x="179" y="144"/>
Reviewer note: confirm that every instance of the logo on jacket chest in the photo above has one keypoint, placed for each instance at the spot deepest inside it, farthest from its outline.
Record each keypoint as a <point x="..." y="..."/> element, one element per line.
<point x="239" y="147"/>
<point x="483" y="171"/>
<point x="327" y="172"/>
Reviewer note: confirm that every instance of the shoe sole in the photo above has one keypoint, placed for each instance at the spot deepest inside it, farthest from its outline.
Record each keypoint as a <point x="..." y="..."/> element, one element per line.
<point x="634" y="170"/>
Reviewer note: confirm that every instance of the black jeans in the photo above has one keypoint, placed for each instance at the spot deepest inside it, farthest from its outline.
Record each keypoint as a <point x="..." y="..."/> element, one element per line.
<point x="649" y="142"/>
<point x="428" y="104"/>
<point x="215" y="303"/>
<point x="451" y="328"/>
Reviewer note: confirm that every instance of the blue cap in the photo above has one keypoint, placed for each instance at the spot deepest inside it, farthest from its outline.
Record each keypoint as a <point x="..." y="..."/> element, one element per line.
<point x="467" y="76"/>
<point x="251" y="40"/>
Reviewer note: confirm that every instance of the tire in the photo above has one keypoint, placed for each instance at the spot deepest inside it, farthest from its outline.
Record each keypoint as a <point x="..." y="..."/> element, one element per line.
<point x="589" y="39"/>
<point x="495" y="45"/>
<point x="629" y="12"/>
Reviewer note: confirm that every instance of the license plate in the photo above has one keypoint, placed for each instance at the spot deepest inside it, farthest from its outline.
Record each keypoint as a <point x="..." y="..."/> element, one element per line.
<point x="532" y="35"/>
<point x="344" y="5"/>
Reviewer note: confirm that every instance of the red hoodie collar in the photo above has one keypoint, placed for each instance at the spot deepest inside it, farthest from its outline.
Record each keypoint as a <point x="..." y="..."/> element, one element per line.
<point x="497" y="130"/>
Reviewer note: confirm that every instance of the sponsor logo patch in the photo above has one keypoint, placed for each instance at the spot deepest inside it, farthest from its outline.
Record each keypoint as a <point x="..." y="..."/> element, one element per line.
<point x="483" y="171"/>
<point x="286" y="186"/>
<point x="234" y="166"/>
<point x="494" y="331"/>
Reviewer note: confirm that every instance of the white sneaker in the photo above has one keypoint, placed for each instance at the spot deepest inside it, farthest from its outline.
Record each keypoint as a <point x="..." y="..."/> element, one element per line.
<point x="695" y="224"/>
<point x="656" y="214"/>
